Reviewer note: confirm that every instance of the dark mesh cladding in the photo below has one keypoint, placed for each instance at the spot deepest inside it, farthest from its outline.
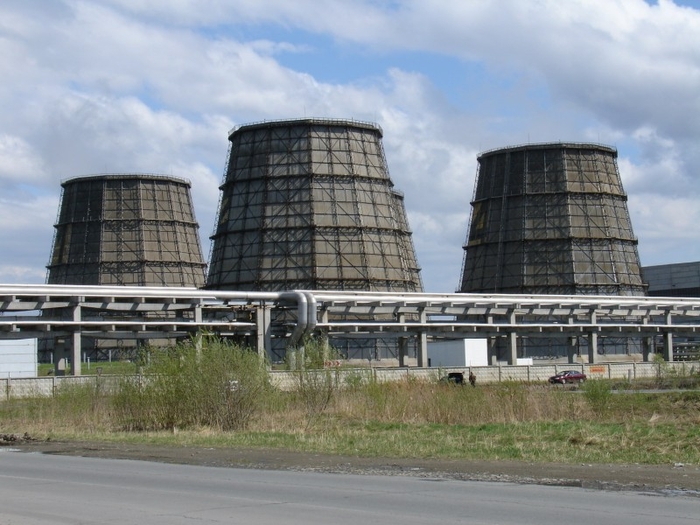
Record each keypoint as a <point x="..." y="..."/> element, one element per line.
<point x="130" y="230"/>
<point x="308" y="204"/>
<point x="551" y="219"/>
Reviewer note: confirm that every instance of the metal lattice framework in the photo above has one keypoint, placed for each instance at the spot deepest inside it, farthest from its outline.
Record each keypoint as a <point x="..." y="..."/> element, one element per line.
<point x="551" y="219"/>
<point x="309" y="204"/>
<point x="131" y="229"/>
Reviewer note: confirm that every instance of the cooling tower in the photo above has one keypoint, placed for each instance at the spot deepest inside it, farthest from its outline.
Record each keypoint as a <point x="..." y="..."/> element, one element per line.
<point x="132" y="230"/>
<point x="551" y="219"/>
<point x="309" y="204"/>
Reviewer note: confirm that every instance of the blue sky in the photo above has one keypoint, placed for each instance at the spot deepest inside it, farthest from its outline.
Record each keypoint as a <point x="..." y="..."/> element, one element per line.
<point x="130" y="86"/>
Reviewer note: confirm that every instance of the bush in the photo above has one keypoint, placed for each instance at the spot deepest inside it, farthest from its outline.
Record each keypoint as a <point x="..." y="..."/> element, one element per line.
<point x="207" y="382"/>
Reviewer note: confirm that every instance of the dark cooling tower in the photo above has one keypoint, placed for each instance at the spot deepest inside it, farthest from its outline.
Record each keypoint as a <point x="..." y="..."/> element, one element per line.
<point x="308" y="204"/>
<point x="551" y="219"/>
<point x="136" y="230"/>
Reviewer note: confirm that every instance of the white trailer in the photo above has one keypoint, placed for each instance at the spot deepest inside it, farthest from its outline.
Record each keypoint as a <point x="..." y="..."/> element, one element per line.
<point x="458" y="353"/>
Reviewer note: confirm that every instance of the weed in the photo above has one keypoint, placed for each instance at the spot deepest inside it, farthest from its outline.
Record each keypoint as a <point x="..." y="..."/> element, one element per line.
<point x="315" y="384"/>
<point x="598" y="393"/>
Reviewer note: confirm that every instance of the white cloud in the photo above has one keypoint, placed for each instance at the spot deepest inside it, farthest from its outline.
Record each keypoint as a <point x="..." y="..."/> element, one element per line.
<point x="25" y="236"/>
<point x="665" y="226"/>
<point x="125" y="85"/>
<point x="19" y="162"/>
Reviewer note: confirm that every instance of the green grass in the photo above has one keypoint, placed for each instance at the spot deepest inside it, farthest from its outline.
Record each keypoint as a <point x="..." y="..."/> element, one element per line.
<point x="562" y="442"/>
<point x="95" y="367"/>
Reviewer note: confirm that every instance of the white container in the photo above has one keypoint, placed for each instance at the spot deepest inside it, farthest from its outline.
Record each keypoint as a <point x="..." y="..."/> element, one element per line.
<point x="18" y="358"/>
<point x="458" y="353"/>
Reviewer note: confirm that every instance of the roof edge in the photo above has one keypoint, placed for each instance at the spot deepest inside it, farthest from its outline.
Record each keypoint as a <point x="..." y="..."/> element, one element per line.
<point x="308" y="122"/>
<point x="549" y="145"/>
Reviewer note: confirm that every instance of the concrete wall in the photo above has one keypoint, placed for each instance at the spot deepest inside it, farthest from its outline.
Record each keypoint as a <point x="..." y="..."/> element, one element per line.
<point x="48" y="386"/>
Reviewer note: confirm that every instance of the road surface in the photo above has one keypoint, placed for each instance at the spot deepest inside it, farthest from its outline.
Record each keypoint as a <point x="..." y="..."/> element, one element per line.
<point x="41" y="489"/>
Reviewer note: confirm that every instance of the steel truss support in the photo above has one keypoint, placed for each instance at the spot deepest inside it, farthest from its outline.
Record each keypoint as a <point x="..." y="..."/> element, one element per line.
<point x="287" y="318"/>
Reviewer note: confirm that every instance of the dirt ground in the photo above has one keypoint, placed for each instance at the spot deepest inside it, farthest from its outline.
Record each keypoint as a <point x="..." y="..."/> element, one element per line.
<point x="661" y="479"/>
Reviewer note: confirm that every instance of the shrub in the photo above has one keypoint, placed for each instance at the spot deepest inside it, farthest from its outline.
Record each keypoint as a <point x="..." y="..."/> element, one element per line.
<point x="204" y="382"/>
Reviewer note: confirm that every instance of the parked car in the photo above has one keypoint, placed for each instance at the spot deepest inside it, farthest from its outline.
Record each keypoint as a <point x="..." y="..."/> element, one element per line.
<point x="568" y="376"/>
<point x="453" y="377"/>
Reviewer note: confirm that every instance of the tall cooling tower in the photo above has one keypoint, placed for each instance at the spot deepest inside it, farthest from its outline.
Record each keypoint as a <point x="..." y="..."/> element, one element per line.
<point x="133" y="229"/>
<point x="551" y="219"/>
<point x="308" y="204"/>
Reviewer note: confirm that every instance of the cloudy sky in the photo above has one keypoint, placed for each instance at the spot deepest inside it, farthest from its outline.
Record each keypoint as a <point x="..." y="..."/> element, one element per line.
<point x="118" y="86"/>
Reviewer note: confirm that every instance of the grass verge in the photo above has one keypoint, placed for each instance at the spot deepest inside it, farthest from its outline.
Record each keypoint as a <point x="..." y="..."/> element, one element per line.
<point x="219" y="396"/>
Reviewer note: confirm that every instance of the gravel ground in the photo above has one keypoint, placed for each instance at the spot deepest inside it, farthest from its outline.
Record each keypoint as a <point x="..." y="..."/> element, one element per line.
<point x="678" y="479"/>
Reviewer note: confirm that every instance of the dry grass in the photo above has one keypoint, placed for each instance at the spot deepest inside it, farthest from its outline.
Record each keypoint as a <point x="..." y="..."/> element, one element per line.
<point x="408" y="418"/>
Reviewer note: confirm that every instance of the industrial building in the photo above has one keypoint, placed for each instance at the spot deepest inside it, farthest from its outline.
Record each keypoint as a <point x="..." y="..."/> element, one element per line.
<point x="309" y="204"/>
<point x="673" y="280"/>
<point x="551" y="219"/>
<point x="130" y="229"/>
<point x="676" y="280"/>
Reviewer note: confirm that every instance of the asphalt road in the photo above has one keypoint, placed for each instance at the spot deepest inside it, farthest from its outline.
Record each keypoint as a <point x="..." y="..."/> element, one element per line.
<point x="40" y="489"/>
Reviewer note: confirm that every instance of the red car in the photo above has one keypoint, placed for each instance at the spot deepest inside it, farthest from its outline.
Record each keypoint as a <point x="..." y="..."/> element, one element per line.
<point x="569" y="376"/>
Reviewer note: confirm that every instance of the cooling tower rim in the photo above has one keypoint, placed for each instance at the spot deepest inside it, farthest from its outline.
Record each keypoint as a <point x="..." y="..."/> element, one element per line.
<point x="311" y="121"/>
<point x="548" y="145"/>
<point x="125" y="176"/>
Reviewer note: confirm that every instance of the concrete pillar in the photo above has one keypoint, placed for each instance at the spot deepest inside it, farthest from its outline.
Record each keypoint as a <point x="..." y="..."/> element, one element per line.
<point x="593" y="347"/>
<point x="422" y="343"/>
<point x="668" y="339"/>
<point x="593" y="340"/>
<point x="76" y="350"/>
<point x="513" y="348"/>
<point x="647" y="349"/>
<point x="402" y="343"/>
<point x="75" y="342"/>
<point x="263" y="340"/>
<point x="668" y="346"/>
<point x="571" y="350"/>
<point x="198" y="338"/>
<point x="512" y="340"/>
<point x="403" y="351"/>
<point x="491" y="345"/>
<point x="323" y="335"/>
<point x="60" y="356"/>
